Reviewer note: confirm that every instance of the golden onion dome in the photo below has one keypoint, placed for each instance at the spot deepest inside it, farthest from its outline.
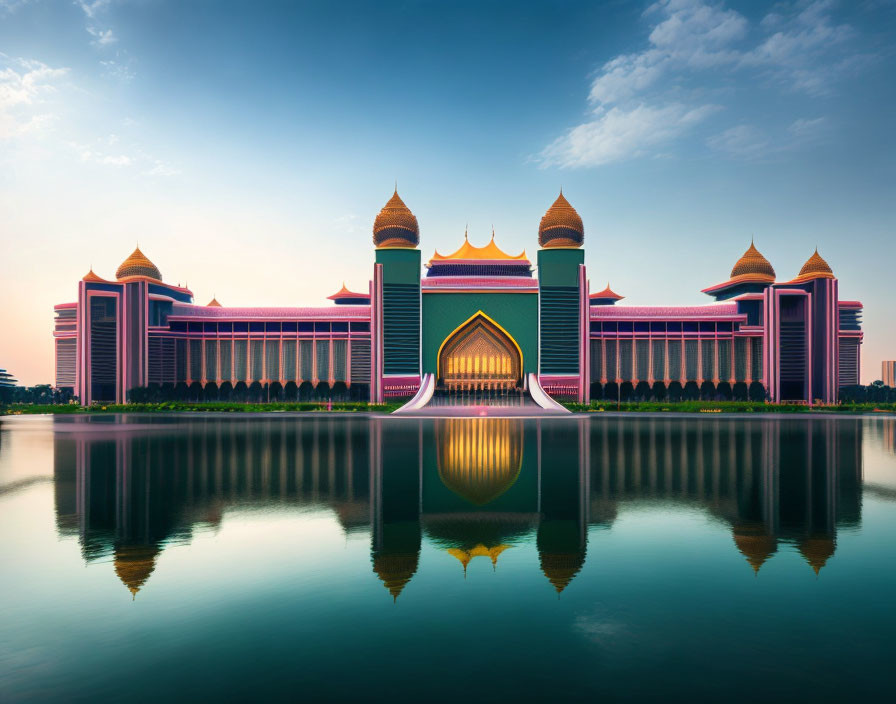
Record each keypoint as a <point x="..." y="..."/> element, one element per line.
<point x="753" y="266"/>
<point x="561" y="226"/>
<point x="138" y="265"/>
<point x="815" y="268"/>
<point x="134" y="564"/>
<point x="396" y="225"/>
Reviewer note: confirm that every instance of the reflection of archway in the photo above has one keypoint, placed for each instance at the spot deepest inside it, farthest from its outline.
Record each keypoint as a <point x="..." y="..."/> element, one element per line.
<point x="480" y="355"/>
<point x="479" y="459"/>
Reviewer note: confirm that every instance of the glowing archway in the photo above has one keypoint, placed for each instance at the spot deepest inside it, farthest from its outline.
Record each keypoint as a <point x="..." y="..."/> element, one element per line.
<point x="479" y="354"/>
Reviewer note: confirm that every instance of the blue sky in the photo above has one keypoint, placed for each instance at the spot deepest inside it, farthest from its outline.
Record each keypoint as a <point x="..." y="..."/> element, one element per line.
<point x="248" y="146"/>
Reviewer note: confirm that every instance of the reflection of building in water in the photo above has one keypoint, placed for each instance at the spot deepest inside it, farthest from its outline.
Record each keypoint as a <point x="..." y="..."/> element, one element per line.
<point x="479" y="461"/>
<point x="474" y="488"/>
<point x="477" y="486"/>
<point x="791" y="480"/>
<point x="127" y="495"/>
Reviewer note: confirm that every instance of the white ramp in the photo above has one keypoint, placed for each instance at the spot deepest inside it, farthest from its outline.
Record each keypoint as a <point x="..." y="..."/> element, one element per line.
<point x="422" y="397"/>
<point x="541" y="397"/>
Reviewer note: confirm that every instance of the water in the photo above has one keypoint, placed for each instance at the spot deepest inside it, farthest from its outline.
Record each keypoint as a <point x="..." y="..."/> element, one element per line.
<point x="345" y="558"/>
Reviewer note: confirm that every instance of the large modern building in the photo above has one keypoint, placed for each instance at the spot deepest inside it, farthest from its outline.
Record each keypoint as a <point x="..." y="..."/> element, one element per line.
<point x="476" y="319"/>
<point x="888" y="373"/>
<point x="7" y="381"/>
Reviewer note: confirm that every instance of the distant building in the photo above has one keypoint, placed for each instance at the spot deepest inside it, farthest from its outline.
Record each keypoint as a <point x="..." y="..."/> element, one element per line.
<point x="6" y="380"/>
<point x="888" y="373"/>
<point x="474" y="319"/>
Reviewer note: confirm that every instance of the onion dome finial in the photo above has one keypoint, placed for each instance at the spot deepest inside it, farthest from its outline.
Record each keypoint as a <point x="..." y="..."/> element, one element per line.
<point x="138" y="265"/>
<point x="815" y="268"/>
<point x="753" y="265"/>
<point x="396" y="225"/>
<point x="561" y="226"/>
<point x="91" y="276"/>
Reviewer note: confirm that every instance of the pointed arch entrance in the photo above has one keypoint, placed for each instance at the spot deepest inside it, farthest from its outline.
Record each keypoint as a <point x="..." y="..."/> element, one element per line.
<point x="479" y="354"/>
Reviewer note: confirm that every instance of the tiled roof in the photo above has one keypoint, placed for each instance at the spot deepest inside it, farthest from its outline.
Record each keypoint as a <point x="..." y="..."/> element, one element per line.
<point x="618" y="312"/>
<point x="182" y="310"/>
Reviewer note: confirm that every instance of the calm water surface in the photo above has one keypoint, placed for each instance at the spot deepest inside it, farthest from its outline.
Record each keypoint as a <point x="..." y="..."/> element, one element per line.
<point x="346" y="558"/>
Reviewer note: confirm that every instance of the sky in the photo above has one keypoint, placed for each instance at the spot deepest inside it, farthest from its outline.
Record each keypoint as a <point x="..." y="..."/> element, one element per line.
<point x="248" y="146"/>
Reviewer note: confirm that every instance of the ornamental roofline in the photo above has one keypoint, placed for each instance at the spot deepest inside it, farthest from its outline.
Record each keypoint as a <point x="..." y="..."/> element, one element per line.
<point x="470" y="253"/>
<point x="346" y="293"/>
<point x="607" y="293"/>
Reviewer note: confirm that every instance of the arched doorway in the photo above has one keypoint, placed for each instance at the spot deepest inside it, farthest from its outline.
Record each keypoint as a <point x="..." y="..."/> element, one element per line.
<point x="480" y="355"/>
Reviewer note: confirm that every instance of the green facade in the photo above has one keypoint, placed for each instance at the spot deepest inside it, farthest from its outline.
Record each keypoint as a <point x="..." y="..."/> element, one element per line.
<point x="560" y="301"/>
<point x="444" y="312"/>
<point x="401" y="310"/>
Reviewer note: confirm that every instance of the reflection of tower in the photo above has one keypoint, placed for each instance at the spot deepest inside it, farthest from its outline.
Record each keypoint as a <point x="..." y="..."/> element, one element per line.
<point x="395" y="502"/>
<point x="479" y="458"/>
<point x="562" y="532"/>
<point x="127" y="495"/>
<point x="793" y="480"/>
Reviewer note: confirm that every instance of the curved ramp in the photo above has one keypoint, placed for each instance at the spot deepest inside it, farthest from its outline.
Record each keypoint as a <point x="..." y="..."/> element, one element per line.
<point x="541" y="397"/>
<point x="422" y="397"/>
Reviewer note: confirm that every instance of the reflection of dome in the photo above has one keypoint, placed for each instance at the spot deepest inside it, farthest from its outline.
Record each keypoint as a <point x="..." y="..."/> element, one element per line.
<point x="477" y="551"/>
<point x="815" y="268"/>
<point x="396" y="570"/>
<point x="396" y="225"/>
<point x="134" y="564"/>
<point x="560" y="568"/>
<point x="398" y="552"/>
<point x="753" y="266"/>
<point x="561" y="226"/>
<point x="480" y="459"/>
<point x="817" y="550"/>
<point x="561" y="549"/>
<point x="754" y="543"/>
<point x="138" y="265"/>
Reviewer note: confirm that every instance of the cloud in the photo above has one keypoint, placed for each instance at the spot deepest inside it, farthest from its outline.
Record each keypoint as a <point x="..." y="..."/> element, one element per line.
<point x="806" y="129"/>
<point x="92" y="7"/>
<point x="103" y="37"/>
<point x="160" y="168"/>
<point x="622" y="133"/>
<point x="117" y="71"/>
<point x="744" y="141"/>
<point x="24" y="86"/>
<point x="642" y="100"/>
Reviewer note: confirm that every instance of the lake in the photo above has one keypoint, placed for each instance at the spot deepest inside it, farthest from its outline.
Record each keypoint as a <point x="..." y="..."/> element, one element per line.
<point x="329" y="557"/>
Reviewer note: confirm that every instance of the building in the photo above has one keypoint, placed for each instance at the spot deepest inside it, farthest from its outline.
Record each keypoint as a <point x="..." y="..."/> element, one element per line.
<point x="476" y="319"/>
<point x="888" y="373"/>
<point x="6" y="380"/>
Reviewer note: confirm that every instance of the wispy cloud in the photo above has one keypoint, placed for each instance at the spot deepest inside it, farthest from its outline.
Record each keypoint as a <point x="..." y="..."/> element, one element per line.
<point x="24" y="86"/>
<point x="92" y="7"/>
<point x="620" y="133"/>
<point x="643" y="100"/>
<point x="102" y="37"/>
